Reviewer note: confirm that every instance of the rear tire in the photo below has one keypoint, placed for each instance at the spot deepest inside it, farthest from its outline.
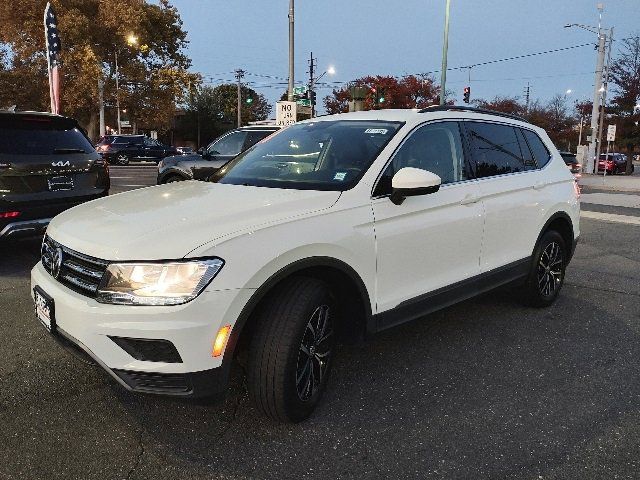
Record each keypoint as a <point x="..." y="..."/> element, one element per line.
<point x="546" y="276"/>
<point x="292" y="350"/>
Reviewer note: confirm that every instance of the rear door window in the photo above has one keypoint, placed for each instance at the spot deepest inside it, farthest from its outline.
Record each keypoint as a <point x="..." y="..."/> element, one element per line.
<point x="231" y="145"/>
<point x="540" y="152"/>
<point x="254" y="137"/>
<point x="495" y="149"/>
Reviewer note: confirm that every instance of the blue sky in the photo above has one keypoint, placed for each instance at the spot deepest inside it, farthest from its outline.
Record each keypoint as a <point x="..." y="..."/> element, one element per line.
<point x="361" y="37"/>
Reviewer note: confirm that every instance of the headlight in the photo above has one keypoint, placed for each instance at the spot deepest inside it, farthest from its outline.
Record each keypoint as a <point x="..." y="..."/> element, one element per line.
<point x="166" y="283"/>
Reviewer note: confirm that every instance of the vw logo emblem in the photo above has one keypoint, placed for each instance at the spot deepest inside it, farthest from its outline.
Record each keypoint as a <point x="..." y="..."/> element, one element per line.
<point x="52" y="258"/>
<point x="56" y="261"/>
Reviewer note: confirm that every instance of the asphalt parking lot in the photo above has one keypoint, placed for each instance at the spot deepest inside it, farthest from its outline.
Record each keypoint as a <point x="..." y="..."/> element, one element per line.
<point x="483" y="389"/>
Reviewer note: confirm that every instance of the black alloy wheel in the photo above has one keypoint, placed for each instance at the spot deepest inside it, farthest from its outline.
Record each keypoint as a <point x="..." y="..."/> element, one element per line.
<point x="550" y="269"/>
<point x="546" y="275"/>
<point x="314" y="354"/>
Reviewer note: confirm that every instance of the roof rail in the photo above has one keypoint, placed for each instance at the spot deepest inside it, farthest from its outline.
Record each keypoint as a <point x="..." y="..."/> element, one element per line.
<point x="462" y="108"/>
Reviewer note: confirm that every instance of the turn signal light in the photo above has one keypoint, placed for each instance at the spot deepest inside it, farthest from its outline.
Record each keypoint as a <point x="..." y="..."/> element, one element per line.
<point x="9" y="214"/>
<point x="221" y="341"/>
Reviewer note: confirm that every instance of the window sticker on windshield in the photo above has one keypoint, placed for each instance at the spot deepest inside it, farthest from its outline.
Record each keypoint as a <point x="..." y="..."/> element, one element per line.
<point x="340" y="176"/>
<point x="381" y="131"/>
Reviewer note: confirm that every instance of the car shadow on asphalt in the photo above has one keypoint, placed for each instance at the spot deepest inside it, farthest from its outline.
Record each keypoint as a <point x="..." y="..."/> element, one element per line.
<point x="17" y="257"/>
<point x="485" y="388"/>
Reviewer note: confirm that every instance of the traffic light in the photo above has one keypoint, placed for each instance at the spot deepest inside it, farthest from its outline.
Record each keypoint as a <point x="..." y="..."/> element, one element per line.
<point x="467" y="94"/>
<point x="381" y="95"/>
<point x="312" y="97"/>
<point x="249" y="100"/>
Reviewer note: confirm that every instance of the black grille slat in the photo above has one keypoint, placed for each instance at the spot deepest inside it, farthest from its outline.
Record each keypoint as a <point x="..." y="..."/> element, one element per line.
<point x="79" y="272"/>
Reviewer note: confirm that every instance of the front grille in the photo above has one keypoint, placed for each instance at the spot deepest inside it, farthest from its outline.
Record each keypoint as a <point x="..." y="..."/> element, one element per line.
<point x="77" y="271"/>
<point x="166" y="383"/>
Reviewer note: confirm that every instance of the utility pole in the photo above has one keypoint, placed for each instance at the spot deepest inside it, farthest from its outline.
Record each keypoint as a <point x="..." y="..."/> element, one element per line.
<point x="312" y="65"/>
<point x="445" y="48"/>
<point x="595" y="111"/>
<point x="101" y="103"/>
<point x="239" y="75"/>
<point x="527" y="93"/>
<point x="291" y="32"/>
<point x="603" y="91"/>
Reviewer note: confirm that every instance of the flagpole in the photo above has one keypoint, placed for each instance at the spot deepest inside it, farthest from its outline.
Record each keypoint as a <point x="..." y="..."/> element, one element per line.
<point x="46" y="41"/>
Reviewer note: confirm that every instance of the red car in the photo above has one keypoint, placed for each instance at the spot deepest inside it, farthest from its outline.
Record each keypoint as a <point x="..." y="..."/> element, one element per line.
<point x="614" y="163"/>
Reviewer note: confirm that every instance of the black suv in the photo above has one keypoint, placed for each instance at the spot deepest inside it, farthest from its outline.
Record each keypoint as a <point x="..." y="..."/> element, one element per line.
<point x="208" y="160"/>
<point x="47" y="165"/>
<point x="120" y="149"/>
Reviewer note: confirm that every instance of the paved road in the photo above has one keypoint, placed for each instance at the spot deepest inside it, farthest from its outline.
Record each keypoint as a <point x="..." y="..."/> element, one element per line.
<point x="484" y="389"/>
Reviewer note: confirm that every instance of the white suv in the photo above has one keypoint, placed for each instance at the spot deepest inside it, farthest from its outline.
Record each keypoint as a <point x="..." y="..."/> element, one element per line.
<point x="333" y="228"/>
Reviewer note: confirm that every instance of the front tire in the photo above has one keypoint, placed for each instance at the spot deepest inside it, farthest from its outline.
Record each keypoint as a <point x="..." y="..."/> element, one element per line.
<point x="292" y="350"/>
<point x="173" y="178"/>
<point x="546" y="276"/>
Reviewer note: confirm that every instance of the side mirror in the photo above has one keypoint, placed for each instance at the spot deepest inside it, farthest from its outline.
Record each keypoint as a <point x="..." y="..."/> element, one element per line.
<point x="409" y="182"/>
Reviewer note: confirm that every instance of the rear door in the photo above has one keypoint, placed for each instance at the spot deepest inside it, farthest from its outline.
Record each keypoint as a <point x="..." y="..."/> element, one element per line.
<point x="44" y="160"/>
<point x="512" y="191"/>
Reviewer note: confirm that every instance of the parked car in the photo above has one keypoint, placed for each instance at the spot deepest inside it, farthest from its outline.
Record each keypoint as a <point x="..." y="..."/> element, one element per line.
<point x="47" y="165"/>
<point x="571" y="161"/>
<point x="334" y="228"/>
<point x="614" y="163"/>
<point x="121" y="149"/>
<point x="217" y="154"/>
<point x="184" y="150"/>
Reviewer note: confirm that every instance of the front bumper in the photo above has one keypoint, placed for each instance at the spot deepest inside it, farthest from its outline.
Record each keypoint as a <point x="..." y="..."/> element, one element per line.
<point x="89" y="327"/>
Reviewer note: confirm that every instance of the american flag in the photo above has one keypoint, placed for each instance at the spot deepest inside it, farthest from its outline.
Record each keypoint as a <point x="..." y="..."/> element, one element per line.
<point x="53" y="55"/>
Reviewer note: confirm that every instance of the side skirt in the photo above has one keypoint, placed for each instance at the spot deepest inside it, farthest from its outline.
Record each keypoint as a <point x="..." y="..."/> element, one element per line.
<point x="443" y="297"/>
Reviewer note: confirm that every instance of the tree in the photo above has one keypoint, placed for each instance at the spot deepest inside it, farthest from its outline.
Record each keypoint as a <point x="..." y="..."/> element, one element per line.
<point x="212" y="111"/>
<point x="409" y="92"/>
<point x="625" y="77"/>
<point x="554" y="116"/>
<point x="153" y="73"/>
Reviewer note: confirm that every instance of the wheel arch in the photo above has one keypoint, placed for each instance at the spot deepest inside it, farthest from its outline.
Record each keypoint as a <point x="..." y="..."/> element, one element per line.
<point x="170" y="172"/>
<point x="562" y="223"/>
<point x="346" y="283"/>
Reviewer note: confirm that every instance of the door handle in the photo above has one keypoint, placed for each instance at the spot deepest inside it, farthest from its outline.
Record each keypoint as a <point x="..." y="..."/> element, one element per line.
<point x="538" y="185"/>
<point x="469" y="199"/>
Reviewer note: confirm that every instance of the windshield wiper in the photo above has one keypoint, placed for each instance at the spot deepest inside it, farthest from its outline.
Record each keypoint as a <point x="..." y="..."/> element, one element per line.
<point x="68" y="150"/>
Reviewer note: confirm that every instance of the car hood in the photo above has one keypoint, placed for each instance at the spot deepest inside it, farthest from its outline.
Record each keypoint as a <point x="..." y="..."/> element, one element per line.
<point x="169" y="221"/>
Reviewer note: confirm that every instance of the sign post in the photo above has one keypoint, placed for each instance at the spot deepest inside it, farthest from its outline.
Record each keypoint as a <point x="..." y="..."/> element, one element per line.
<point x="286" y="113"/>
<point x="611" y="137"/>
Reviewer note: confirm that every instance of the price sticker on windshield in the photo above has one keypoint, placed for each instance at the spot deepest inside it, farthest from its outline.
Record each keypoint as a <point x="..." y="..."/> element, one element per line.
<point x="381" y="131"/>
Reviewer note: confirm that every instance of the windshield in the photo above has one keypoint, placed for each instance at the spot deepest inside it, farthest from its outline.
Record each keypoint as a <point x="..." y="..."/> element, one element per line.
<point x="325" y="155"/>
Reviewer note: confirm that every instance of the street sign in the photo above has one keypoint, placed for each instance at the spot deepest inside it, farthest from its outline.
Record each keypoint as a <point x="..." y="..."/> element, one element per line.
<point x="154" y="134"/>
<point x="302" y="110"/>
<point x="611" y="133"/>
<point x="300" y="90"/>
<point x="125" y="123"/>
<point x="286" y="113"/>
<point x="305" y="102"/>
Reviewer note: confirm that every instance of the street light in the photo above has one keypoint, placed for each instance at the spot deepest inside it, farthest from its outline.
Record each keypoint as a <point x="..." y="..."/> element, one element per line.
<point x="132" y="41"/>
<point x="331" y="71"/>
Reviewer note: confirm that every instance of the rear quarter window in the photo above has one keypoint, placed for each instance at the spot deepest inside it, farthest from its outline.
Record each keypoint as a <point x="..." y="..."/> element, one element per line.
<point x="538" y="149"/>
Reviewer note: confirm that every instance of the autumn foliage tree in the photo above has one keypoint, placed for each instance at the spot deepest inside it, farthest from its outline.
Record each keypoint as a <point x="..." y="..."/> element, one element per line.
<point x="211" y="111"/>
<point x="153" y="73"/>
<point x="407" y="92"/>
